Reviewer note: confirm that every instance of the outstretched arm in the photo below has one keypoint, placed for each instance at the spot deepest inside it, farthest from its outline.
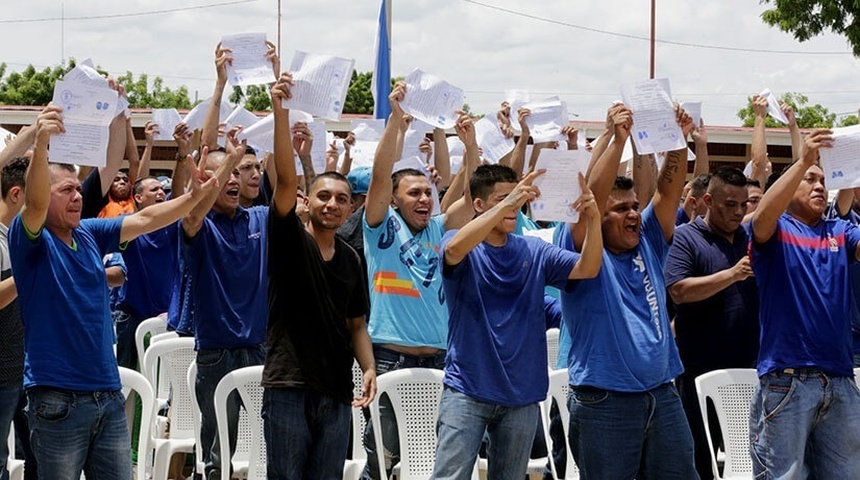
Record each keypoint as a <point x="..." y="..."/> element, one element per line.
<point x="779" y="195"/>
<point x="223" y="57"/>
<point x="284" y="159"/>
<point x="459" y="213"/>
<point x="37" y="193"/>
<point x="588" y="265"/>
<point x="671" y="181"/>
<point x="379" y="191"/>
<point x="760" y="168"/>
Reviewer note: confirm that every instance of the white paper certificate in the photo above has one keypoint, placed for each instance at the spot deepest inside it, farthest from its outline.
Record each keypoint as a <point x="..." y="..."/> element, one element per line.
<point x="841" y="162"/>
<point x="546" y="119"/>
<point x="87" y="113"/>
<point x="167" y="119"/>
<point x="654" y="126"/>
<point x="559" y="186"/>
<point x="321" y="82"/>
<point x="432" y="100"/>
<point x="773" y="106"/>
<point x="250" y="65"/>
<point x="491" y="140"/>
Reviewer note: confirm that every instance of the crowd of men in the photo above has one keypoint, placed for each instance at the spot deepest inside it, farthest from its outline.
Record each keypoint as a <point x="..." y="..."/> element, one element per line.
<point x="306" y="272"/>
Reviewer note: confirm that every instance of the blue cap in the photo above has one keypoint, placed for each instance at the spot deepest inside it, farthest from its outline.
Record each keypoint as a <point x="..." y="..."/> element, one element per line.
<point x="359" y="180"/>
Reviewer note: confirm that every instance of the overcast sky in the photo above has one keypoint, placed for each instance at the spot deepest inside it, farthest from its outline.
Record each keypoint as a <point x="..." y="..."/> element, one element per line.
<point x="474" y="44"/>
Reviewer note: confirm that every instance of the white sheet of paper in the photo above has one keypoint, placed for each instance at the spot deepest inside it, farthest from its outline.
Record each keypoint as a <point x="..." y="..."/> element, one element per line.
<point x="491" y="140"/>
<point x="516" y="98"/>
<point x="694" y="109"/>
<point x="559" y="186"/>
<point x="654" y="125"/>
<point x="166" y="119"/>
<point x="197" y="116"/>
<point x="773" y="106"/>
<point x="3" y="135"/>
<point x="319" y="147"/>
<point x="545" y="234"/>
<point x="370" y="129"/>
<point x="321" y="82"/>
<point x="411" y="141"/>
<point x="86" y="74"/>
<point x="250" y="65"/>
<point x="456" y="150"/>
<point x="87" y="113"/>
<point x="546" y="120"/>
<point x="238" y="117"/>
<point x="261" y="135"/>
<point x="418" y="164"/>
<point x="431" y="99"/>
<point x="362" y="153"/>
<point x="841" y="162"/>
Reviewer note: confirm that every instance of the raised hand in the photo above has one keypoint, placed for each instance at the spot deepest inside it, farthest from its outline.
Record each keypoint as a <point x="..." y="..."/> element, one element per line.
<point x="819" y="138"/>
<point x="202" y="180"/>
<point x="622" y="120"/>
<point x="789" y="113"/>
<point x="272" y="56"/>
<point x="465" y="129"/>
<point x="182" y="135"/>
<point x="503" y="116"/>
<point x="522" y="114"/>
<point x="572" y="135"/>
<point x="759" y="104"/>
<point x="235" y="148"/>
<point x="49" y="122"/>
<point x="524" y="191"/>
<point x="150" y="130"/>
<point x="684" y="121"/>
<point x="586" y="204"/>
<point x="281" y="90"/>
<point x="700" y="133"/>
<point x="223" y="57"/>
<point x="398" y="93"/>
<point x="303" y="138"/>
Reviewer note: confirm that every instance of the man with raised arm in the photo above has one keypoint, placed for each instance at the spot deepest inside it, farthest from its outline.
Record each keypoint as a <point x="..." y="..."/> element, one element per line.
<point x="409" y="320"/>
<point x="626" y="419"/>
<point x="709" y="278"/>
<point x="495" y="374"/>
<point x="317" y="304"/>
<point x="76" y="410"/>
<point x="805" y="414"/>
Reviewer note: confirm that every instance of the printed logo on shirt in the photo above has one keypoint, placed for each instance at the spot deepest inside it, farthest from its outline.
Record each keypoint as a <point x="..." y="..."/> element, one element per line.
<point x="387" y="282"/>
<point x="650" y="294"/>
<point x="834" y="245"/>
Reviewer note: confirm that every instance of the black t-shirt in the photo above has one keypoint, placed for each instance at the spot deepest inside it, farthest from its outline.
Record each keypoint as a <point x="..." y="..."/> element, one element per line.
<point x="310" y="300"/>
<point x="352" y="232"/>
<point x="91" y="191"/>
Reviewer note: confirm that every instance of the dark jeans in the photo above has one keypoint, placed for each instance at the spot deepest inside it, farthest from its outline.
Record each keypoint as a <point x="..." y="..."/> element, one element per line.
<point x="388" y="360"/>
<point x="306" y="434"/>
<point x="126" y="326"/>
<point x="212" y="365"/>
<point x="73" y="432"/>
<point x="690" y="400"/>
<point x="12" y="411"/>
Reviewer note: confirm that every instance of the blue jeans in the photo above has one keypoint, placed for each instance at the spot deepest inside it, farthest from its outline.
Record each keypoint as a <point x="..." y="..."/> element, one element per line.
<point x="212" y="365"/>
<point x="388" y="360"/>
<point x="306" y="432"/>
<point x="72" y="432"/>
<point x="619" y="435"/>
<point x="805" y="423"/>
<point x="10" y="397"/>
<point x="126" y="326"/>
<point x="460" y="429"/>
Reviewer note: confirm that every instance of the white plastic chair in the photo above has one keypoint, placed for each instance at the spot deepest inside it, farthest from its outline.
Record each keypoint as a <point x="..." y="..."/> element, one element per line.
<point x="195" y="409"/>
<point x="558" y="391"/>
<point x="857" y="376"/>
<point x="13" y="465"/>
<point x="174" y="356"/>
<point x="352" y="468"/>
<point x="552" y="348"/>
<point x="414" y="395"/>
<point x="731" y="391"/>
<point x="134" y="381"/>
<point x="247" y="382"/>
<point x="151" y="326"/>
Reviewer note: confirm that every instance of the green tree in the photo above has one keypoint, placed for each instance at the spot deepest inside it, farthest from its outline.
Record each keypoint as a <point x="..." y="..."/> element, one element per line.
<point x="140" y="95"/>
<point x="358" y="96"/>
<point x="255" y="98"/>
<point x="30" y="86"/>
<point x="809" y="18"/>
<point x="808" y="116"/>
<point x="849" y="121"/>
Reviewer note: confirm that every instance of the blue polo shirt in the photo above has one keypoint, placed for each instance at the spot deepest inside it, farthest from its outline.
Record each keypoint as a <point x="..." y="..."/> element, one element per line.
<point x="151" y="261"/>
<point x="63" y="294"/>
<point x="805" y="296"/>
<point x="720" y="331"/>
<point x="229" y="288"/>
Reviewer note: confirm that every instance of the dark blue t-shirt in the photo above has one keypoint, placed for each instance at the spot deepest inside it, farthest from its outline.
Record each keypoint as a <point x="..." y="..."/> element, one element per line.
<point x="151" y="261"/>
<point x="720" y="331"/>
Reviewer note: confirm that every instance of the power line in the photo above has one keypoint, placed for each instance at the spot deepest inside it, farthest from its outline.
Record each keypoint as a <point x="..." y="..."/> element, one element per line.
<point x="637" y="37"/>
<point x="122" y="15"/>
<point x="674" y="94"/>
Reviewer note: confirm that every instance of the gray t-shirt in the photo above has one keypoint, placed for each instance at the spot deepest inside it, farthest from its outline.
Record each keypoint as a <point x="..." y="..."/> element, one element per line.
<point x="12" y="337"/>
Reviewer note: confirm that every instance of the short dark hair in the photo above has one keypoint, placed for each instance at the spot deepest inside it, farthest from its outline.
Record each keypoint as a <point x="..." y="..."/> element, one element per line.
<point x="137" y="188"/>
<point x="727" y="176"/>
<point x="623" y="183"/>
<point x="485" y="178"/>
<point x="773" y="177"/>
<point x="406" y="172"/>
<point x="333" y="176"/>
<point x="699" y="185"/>
<point x="13" y="174"/>
<point x="751" y="182"/>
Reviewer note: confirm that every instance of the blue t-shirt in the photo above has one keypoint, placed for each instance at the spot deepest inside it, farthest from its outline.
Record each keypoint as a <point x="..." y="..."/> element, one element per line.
<point x="681" y="217"/>
<point x="854" y="275"/>
<point x="229" y="285"/>
<point x="497" y="329"/>
<point x="802" y="276"/>
<point x="720" y="331"/>
<point x="405" y="279"/>
<point x="63" y="294"/>
<point x="620" y="335"/>
<point x="151" y="260"/>
<point x="116" y="294"/>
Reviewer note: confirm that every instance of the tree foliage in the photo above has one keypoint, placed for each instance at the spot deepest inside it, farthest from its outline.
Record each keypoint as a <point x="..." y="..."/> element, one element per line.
<point x="255" y="98"/>
<point x="810" y="18"/>
<point x="140" y="95"/>
<point x="808" y="116"/>
<point x="36" y="87"/>
<point x="849" y="121"/>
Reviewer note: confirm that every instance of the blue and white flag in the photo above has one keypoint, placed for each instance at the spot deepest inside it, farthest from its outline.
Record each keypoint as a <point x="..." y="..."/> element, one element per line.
<point x="381" y="83"/>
